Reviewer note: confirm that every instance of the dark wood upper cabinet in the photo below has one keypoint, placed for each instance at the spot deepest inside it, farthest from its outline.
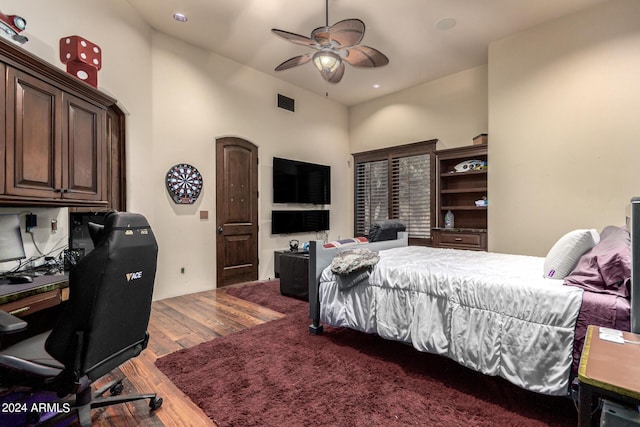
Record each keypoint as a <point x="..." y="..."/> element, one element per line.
<point x="116" y="165"/>
<point x="56" y="147"/>
<point x="84" y="137"/>
<point x="34" y="137"/>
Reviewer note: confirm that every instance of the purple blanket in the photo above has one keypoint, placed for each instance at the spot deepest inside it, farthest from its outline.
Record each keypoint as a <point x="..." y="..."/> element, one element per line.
<point x="604" y="274"/>
<point x="606" y="310"/>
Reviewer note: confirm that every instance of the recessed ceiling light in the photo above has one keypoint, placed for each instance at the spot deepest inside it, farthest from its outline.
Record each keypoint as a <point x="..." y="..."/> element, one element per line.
<point x="180" y="17"/>
<point x="445" y="24"/>
<point x="376" y="86"/>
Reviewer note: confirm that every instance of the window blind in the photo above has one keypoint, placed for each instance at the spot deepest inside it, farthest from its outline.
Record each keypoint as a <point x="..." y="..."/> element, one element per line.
<point x="411" y="194"/>
<point x="396" y="183"/>
<point x="372" y="194"/>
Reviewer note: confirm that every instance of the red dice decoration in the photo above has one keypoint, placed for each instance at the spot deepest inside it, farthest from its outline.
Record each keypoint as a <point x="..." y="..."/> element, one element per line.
<point x="82" y="57"/>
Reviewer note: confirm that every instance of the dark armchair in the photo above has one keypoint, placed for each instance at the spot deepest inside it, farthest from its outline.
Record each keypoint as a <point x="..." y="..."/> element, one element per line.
<point x="103" y="325"/>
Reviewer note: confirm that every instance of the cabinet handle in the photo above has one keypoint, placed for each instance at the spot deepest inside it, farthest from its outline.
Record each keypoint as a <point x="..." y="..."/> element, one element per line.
<point x="458" y="239"/>
<point x="20" y="310"/>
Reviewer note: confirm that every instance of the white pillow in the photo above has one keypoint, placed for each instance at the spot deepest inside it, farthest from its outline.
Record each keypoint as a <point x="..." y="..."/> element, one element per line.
<point x="566" y="252"/>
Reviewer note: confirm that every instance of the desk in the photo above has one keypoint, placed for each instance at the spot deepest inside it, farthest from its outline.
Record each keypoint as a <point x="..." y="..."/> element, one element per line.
<point x="607" y="369"/>
<point x="27" y="298"/>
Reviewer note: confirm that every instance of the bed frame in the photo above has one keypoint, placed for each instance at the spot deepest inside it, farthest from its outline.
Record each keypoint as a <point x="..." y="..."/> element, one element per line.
<point x="635" y="265"/>
<point x="320" y="258"/>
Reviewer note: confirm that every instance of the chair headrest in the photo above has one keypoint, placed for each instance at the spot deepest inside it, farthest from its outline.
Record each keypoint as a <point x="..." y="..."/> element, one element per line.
<point x="95" y="231"/>
<point x="124" y="220"/>
<point x="115" y="219"/>
<point x="385" y="230"/>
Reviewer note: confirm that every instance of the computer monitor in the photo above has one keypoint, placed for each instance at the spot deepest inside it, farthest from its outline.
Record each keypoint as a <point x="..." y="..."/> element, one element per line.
<point x="11" y="246"/>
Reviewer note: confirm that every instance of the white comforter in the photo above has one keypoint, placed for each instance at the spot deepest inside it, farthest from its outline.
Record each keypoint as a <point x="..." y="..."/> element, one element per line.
<point x="494" y="313"/>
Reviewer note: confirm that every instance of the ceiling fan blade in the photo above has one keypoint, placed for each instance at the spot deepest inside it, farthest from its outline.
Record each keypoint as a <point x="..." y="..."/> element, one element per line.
<point x="295" y="38"/>
<point x="294" y="62"/>
<point x="336" y="76"/>
<point x="365" y="56"/>
<point x="347" y="33"/>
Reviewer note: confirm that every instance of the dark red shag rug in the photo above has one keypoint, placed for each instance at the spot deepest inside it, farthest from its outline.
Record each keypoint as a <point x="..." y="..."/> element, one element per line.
<point x="277" y="374"/>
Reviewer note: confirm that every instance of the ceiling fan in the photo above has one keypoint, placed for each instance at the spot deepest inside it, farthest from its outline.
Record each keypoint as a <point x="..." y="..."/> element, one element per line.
<point x="334" y="45"/>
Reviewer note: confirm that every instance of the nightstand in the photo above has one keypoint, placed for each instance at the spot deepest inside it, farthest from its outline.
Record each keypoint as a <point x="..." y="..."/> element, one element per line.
<point x="294" y="274"/>
<point x="608" y="369"/>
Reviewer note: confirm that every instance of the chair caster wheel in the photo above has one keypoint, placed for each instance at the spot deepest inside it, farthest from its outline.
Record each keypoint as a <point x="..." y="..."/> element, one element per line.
<point x="155" y="403"/>
<point x="116" y="389"/>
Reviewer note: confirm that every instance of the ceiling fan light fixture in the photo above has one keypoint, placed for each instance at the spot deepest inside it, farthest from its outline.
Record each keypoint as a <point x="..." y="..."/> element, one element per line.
<point x="335" y="45"/>
<point x="326" y="61"/>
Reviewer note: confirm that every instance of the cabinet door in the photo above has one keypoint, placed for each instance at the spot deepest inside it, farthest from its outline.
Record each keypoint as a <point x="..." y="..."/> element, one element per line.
<point x="83" y="136"/>
<point x="116" y="165"/>
<point x="33" y="143"/>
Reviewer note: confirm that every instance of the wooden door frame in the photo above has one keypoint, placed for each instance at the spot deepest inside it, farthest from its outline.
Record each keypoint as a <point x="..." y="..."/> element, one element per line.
<point x="220" y="200"/>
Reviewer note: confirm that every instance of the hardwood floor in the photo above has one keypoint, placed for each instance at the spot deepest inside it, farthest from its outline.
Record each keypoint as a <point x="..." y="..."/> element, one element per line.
<point x="177" y="323"/>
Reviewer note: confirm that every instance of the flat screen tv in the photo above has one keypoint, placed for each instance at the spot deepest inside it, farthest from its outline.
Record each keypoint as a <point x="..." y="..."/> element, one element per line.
<point x="301" y="182"/>
<point x="287" y="222"/>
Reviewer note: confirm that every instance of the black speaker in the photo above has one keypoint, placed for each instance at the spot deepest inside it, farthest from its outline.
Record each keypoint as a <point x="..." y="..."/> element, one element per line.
<point x="80" y="242"/>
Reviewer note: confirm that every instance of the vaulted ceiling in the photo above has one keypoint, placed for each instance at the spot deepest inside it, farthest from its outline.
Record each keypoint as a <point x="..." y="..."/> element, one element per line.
<point x="416" y="35"/>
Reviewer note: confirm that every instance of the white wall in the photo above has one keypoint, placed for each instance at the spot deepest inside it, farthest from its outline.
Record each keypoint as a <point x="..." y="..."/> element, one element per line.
<point x="125" y="75"/>
<point x="564" y="133"/>
<point x="452" y="109"/>
<point x="179" y="99"/>
<point x="559" y="101"/>
<point x="199" y="96"/>
<point x="42" y="240"/>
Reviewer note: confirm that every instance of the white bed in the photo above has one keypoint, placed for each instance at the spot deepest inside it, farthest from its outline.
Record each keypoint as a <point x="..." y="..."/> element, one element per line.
<point x="494" y="313"/>
<point x="486" y="318"/>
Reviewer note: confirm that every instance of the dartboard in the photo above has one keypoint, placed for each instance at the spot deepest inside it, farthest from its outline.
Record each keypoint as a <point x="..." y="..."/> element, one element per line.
<point x="184" y="183"/>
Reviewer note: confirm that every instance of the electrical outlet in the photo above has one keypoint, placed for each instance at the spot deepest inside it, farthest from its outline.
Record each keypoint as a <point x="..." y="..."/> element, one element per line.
<point x="182" y="270"/>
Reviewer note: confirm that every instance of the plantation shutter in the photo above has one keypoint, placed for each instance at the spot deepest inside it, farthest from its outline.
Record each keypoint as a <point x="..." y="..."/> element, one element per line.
<point x="396" y="183"/>
<point x="411" y="194"/>
<point x="372" y="194"/>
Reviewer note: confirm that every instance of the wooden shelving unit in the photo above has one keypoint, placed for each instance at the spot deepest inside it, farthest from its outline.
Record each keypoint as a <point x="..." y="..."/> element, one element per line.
<point x="457" y="192"/>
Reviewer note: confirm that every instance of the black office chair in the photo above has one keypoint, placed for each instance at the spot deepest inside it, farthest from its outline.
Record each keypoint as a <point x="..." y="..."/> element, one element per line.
<point x="103" y="325"/>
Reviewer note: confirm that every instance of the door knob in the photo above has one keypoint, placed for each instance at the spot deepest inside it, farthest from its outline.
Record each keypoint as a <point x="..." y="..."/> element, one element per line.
<point x="220" y="230"/>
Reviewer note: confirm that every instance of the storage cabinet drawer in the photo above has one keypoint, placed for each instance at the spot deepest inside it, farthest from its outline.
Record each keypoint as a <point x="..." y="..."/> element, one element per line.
<point x="460" y="240"/>
<point x="33" y="303"/>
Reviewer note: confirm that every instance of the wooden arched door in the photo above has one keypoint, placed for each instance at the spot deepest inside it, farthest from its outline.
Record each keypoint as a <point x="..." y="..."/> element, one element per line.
<point x="236" y="211"/>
